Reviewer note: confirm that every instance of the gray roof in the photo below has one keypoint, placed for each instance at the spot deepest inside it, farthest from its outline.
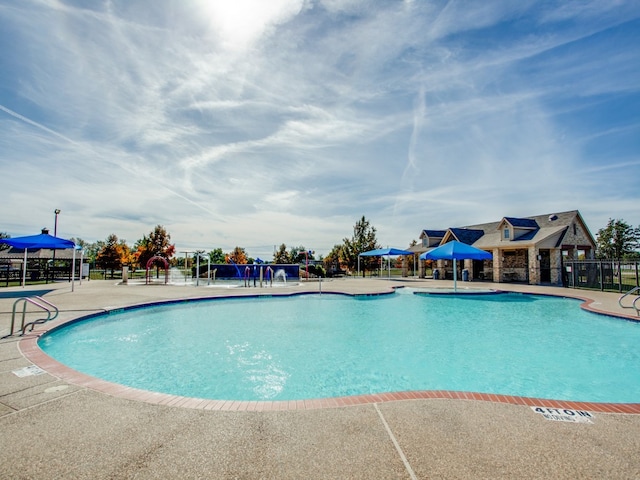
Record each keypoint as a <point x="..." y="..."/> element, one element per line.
<point x="546" y="230"/>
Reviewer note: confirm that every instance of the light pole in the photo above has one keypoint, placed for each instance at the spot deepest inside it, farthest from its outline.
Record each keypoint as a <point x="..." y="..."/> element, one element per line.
<point x="55" y="234"/>
<point x="55" y="224"/>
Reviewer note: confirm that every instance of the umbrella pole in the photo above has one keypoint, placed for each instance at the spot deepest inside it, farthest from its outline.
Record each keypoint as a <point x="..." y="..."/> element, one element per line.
<point x="455" y="275"/>
<point x="73" y="271"/>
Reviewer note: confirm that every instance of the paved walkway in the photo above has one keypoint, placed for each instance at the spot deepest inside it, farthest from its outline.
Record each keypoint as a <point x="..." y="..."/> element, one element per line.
<point x="52" y="427"/>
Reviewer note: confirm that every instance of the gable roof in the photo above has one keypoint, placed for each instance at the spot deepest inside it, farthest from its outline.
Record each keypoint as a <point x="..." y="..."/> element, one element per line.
<point x="521" y="222"/>
<point x="466" y="235"/>
<point x="433" y="233"/>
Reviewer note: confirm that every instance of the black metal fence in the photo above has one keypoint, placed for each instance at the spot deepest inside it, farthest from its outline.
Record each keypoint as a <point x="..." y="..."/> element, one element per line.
<point x="609" y="275"/>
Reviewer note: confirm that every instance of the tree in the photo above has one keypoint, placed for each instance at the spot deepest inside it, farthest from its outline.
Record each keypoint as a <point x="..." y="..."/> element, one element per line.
<point x="4" y="246"/>
<point x="282" y="256"/>
<point x="217" y="256"/>
<point x="618" y="240"/>
<point x="297" y="254"/>
<point x="156" y="244"/>
<point x="238" y="256"/>
<point x="332" y="262"/>
<point x="363" y="240"/>
<point x="128" y="257"/>
<point x="113" y="254"/>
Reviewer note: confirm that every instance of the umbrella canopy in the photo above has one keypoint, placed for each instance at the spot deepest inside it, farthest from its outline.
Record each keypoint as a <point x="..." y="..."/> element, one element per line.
<point x="42" y="240"/>
<point x="455" y="250"/>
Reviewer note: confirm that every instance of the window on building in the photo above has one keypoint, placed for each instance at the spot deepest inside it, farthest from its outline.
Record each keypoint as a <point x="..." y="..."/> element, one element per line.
<point x="506" y="233"/>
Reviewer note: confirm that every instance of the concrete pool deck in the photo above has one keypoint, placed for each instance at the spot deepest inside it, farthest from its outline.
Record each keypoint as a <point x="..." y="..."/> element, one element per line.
<point x="52" y="427"/>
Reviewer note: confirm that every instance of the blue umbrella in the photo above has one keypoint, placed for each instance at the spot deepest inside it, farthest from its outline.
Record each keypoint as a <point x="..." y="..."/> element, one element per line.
<point x="455" y="250"/>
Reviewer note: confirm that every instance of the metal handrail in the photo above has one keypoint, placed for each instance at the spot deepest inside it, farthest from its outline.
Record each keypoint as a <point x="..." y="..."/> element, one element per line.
<point x="633" y="304"/>
<point x="38" y="303"/>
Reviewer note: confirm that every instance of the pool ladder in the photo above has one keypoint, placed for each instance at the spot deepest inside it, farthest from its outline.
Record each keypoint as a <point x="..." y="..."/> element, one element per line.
<point x="633" y="304"/>
<point x="38" y="302"/>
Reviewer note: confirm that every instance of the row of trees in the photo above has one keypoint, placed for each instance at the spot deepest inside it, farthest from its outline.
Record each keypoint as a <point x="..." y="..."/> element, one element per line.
<point x="618" y="240"/>
<point x="113" y="253"/>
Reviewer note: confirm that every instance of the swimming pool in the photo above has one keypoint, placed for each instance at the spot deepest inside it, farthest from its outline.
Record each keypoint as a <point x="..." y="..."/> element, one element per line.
<point x="318" y="346"/>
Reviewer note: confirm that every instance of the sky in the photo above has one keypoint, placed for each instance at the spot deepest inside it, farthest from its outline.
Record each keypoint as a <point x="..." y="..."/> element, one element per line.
<point x="253" y="123"/>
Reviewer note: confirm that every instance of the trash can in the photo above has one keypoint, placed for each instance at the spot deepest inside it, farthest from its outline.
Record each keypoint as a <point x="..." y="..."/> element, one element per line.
<point x="436" y="274"/>
<point x="465" y="275"/>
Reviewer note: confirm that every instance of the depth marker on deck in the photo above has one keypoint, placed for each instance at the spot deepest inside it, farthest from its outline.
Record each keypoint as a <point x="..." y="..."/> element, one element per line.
<point x="564" y="414"/>
<point x="28" y="371"/>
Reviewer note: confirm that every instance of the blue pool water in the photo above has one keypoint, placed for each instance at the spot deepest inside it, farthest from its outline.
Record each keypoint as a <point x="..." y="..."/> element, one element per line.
<point x="315" y="346"/>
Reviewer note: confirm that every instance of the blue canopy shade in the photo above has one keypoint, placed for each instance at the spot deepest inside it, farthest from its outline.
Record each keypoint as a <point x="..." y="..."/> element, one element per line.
<point x="385" y="251"/>
<point x="455" y="250"/>
<point x="42" y="240"/>
<point x="382" y="252"/>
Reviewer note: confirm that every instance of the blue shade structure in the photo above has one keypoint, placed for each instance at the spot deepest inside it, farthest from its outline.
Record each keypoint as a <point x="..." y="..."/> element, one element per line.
<point x="42" y="240"/>
<point x="455" y="251"/>
<point x="380" y="252"/>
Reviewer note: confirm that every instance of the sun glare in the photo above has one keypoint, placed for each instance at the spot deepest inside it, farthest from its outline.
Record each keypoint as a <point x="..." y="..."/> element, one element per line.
<point x="241" y="23"/>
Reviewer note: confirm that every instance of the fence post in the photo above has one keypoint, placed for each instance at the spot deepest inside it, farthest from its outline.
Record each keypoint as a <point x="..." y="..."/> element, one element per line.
<point x="600" y="274"/>
<point x="620" y="276"/>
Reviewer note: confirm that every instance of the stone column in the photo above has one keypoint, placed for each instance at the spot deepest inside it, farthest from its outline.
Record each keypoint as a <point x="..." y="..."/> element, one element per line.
<point x="556" y="265"/>
<point x="534" y="266"/>
<point x="497" y="265"/>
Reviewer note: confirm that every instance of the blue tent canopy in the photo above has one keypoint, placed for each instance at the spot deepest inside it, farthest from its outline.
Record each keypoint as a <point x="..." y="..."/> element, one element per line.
<point x="385" y="252"/>
<point x="42" y="240"/>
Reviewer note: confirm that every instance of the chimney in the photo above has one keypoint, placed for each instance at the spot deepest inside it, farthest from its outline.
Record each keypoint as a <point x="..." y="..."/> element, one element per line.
<point x="45" y="231"/>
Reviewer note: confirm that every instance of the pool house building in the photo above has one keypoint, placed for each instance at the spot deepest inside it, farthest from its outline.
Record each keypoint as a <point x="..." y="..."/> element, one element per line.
<point x="525" y="249"/>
